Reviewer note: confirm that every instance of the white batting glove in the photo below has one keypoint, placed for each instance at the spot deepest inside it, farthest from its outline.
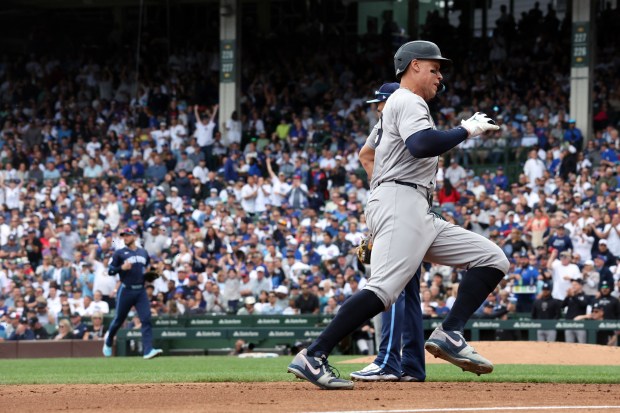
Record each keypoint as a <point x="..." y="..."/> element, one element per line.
<point x="478" y="124"/>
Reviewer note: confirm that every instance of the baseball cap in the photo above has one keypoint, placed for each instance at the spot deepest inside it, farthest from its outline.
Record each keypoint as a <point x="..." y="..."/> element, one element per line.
<point x="546" y="286"/>
<point x="250" y="300"/>
<point x="384" y="92"/>
<point x="604" y="284"/>
<point x="281" y="289"/>
<point x="597" y="306"/>
<point x="193" y="277"/>
<point x="600" y="257"/>
<point x="135" y="212"/>
<point x="75" y="314"/>
<point x="588" y="262"/>
<point x="127" y="231"/>
<point x="577" y="280"/>
<point x="602" y="242"/>
<point x="260" y="268"/>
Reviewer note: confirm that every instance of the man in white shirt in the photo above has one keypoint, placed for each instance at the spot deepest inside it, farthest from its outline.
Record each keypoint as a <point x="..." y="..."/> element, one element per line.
<point x="5" y="230"/>
<point x="204" y="130"/>
<point x="263" y="197"/>
<point x="249" y="192"/>
<point x="455" y="173"/>
<point x="175" y="200"/>
<point x="613" y="237"/>
<point x="178" y="133"/>
<point x="97" y="305"/>
<point x="534" y="167"/>
<point x="563" y="271"/>
<point x="160" y="136"/>
<point x="201" y="171"/>
<point x="327" y="250"/>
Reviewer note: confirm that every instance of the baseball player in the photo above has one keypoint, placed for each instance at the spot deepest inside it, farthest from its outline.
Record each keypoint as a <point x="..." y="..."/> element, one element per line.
<point x="404" y="318"/>
<point x="404" y="229"/>
<point x="131" y="263"/>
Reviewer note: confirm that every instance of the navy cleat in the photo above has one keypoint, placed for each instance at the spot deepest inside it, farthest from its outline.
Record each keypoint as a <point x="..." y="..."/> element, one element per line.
<point x="318" y="372"/>
<point x="373" y="372"/>
<point x="452" y="347"/>
<point x="408" y="378"/>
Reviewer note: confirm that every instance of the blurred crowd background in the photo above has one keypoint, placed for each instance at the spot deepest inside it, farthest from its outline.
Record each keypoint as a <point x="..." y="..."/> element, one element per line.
<point x="262" y="213"/>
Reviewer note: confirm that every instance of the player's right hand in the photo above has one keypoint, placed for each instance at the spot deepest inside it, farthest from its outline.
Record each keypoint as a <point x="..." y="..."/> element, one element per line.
<point x="478" y="124"/>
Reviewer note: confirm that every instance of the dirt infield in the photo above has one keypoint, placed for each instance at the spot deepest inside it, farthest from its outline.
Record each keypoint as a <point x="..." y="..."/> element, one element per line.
<point x="527" y="352"/>
<point x="304" y="397"/>
<point x="301" y="397"/>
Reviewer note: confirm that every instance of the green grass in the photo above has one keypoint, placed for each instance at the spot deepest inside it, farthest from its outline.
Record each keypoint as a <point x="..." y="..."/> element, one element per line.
<point x="227" y="369"/>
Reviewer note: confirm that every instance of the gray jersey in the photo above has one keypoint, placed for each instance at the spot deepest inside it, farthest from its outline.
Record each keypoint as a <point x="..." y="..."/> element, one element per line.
<point x="371" y="140"/>
<point x="404" y="114"/>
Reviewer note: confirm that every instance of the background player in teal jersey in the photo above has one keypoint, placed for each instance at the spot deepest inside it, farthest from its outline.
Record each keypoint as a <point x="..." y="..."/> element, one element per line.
<point x="130" y="263"/>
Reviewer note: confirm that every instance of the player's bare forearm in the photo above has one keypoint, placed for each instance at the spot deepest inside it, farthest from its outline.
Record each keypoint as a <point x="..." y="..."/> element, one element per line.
<point x="367" y="159"/>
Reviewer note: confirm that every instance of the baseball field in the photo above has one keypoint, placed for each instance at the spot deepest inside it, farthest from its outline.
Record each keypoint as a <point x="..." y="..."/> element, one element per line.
<point x="529" y="376"/>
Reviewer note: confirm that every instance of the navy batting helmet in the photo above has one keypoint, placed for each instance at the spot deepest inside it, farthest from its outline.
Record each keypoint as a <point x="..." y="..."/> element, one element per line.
<point x="384" y="92"/>
<point x="418" y="49"/>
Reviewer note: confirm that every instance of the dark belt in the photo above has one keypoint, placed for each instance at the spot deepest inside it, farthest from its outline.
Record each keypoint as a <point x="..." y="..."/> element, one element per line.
<point x="133" y="286"/>
<point x="429" y="194"/>
<point x="412" y="185"/>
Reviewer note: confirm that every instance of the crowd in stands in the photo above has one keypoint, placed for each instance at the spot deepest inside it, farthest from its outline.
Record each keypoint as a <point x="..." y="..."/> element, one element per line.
<point x="262" y="213"/>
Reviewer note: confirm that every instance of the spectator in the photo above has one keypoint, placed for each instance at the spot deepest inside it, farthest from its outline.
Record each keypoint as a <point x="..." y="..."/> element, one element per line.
<point x="307" y="302"/>
<point x="249" y="306"/>
<point x="454" y="173"/>
<point x="65" y="331"/>
<point x="97" y="305"/>
<point x="546" y="308"/>
<point x="573" y="135"/>
<point x="22" y="331"/>
<point x="576" y="304"/>
<point x="609" y="303"/>
<point x="272" y="307"/>
<point x="79" y="328"/>
<point x="39" y="331"/>
<point x="563" y="272"/>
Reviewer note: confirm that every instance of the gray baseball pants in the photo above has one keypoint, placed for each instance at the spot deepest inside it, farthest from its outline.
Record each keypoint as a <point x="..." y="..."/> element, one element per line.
<point x="405" y="233"/>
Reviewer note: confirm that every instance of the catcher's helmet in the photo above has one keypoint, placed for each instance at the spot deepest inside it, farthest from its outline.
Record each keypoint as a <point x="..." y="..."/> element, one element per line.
<point x="418" y="49"/>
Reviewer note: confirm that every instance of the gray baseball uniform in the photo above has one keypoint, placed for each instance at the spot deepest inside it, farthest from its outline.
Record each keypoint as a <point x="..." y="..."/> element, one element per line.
<point x="371" y="140"/>
<point x="405" y="233"/>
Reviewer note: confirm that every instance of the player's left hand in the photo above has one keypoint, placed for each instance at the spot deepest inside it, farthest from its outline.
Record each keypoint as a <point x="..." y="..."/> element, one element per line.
<point x="478" y="124"/>
<point x="151" y="275"/>
<point x="364" y="250"/>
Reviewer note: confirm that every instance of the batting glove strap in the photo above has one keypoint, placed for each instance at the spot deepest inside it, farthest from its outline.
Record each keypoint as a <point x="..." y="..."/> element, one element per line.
<point x="478" y="124"/>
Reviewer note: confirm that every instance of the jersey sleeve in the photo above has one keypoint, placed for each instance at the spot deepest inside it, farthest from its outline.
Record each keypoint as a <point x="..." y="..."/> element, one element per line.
<point x="115" y="263"/>
<point x="371" y="141"/>
<point x="413" y="116"/>
<point x="148" y="260"/>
